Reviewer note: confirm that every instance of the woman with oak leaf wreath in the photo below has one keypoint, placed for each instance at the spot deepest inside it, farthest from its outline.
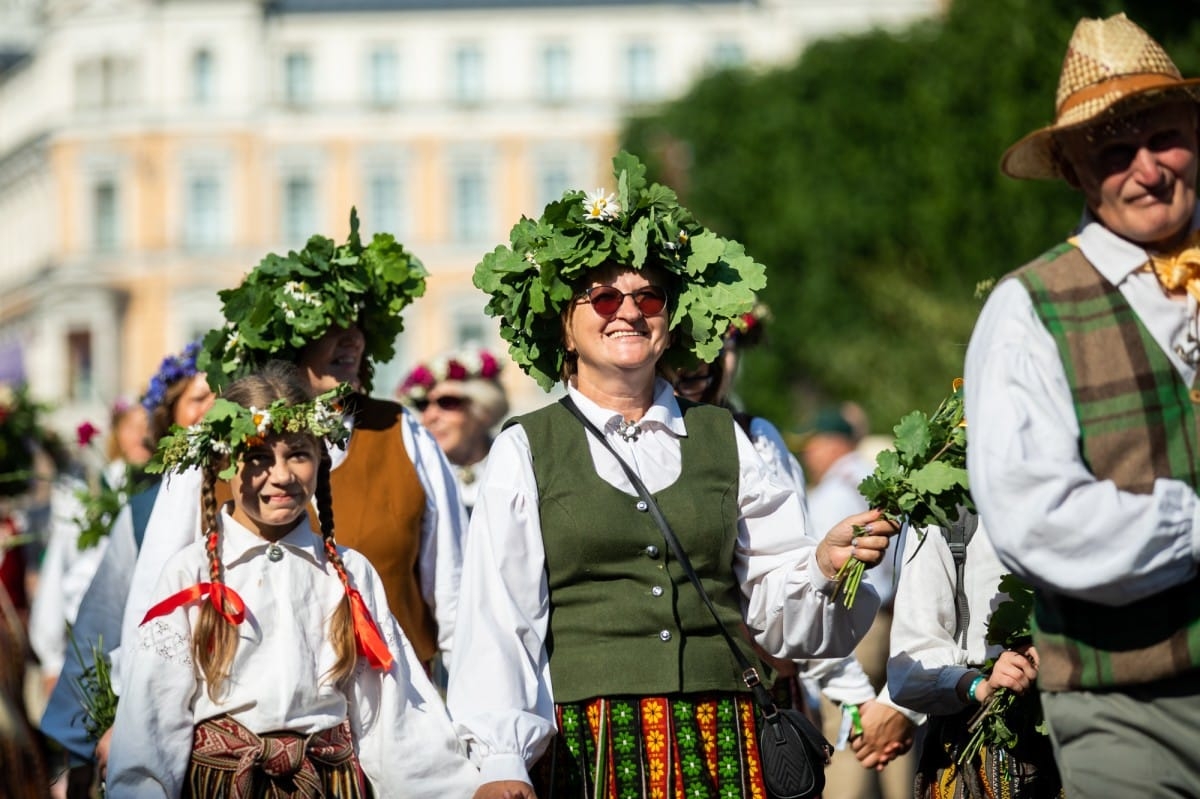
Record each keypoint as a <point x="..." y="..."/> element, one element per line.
<point x="574" y="617"/>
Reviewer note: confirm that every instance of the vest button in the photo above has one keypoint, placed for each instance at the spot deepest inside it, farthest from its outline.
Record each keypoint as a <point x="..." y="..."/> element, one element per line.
<point x="1195" y="395"/>
<point x="665" y="635"/>
<point x="656" y="590"/>
<point x="642" y="506"/>
<point x="651" y="551"/>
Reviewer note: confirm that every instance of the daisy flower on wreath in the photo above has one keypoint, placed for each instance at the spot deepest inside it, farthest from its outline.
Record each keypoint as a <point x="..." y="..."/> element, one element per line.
<point x="601" y="206"/>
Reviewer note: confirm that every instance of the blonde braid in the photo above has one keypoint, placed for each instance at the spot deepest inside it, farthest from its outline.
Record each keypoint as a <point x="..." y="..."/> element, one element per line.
<point x="341" y="625"/>
<point x="214" y="640"/>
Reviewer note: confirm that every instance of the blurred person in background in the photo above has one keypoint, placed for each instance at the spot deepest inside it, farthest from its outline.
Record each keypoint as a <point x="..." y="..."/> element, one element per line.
<point x="72" y="557"/>
<point x="23" y="771"/>
<point x="461" y="400"/>
<point x="177" y="394"/>
<point x="878" y="731"/>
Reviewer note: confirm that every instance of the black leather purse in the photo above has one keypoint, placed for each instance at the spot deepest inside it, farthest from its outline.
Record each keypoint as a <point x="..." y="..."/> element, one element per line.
<point x="793" y="751"/>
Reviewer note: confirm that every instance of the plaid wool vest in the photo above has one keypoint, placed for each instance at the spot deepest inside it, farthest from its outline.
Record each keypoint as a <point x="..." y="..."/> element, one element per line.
<point x="1137" y="422"/>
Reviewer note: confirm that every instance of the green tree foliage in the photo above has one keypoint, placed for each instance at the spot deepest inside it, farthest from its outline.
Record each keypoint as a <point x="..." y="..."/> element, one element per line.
<point x="865" y="176"/>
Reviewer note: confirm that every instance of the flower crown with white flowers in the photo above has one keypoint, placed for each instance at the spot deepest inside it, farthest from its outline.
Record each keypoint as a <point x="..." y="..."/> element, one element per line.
<point x="470" y="365"/>
<point x="228" y="430"/>
<point x="641" y="225"/>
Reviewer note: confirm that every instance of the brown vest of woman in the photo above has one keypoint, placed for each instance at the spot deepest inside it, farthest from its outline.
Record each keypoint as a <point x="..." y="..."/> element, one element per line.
<point x="378" y="505"/>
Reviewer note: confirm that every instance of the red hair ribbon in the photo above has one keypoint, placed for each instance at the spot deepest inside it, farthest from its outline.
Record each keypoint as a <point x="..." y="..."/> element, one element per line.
<point x="366" y="633"/>
<point x="218" y="594"/>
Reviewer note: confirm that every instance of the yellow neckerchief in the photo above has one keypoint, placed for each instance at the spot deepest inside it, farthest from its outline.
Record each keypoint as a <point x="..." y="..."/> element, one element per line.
<point x="1179" y="268"/>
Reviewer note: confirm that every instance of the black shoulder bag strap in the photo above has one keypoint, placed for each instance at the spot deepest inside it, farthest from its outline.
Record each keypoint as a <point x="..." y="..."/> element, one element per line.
<point x="749" y="672"/>
<point x="958" y="536"/>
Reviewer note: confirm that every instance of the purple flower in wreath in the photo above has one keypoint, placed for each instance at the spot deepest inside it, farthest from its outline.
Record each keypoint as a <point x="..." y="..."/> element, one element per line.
<point x="172" y="369"/>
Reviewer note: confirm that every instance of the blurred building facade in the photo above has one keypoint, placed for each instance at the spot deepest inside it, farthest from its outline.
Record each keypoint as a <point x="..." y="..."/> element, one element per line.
<point x="152" y="151"/>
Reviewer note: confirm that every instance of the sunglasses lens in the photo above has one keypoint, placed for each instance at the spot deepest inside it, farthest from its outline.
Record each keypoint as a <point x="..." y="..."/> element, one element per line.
<point x="449" y="403"/>
<point x="606" y="300"/>
<point x="420" y="405"/>
<point x="650" y="300"/>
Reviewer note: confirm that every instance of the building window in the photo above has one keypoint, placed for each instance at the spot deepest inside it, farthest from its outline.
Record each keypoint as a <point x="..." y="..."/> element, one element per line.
<point x="203" y="77"/>
<point x="385" y="206"/>
<point x="728" y="54"/>
<point x="383" y="76"/>
<point x="299" y="209"/>
<point x="202" y="225"/>
<point x="468" y="74"/>
<point x="470" y="203"/>
<point x="556" y="73"/>
<point x="80" y="379"/>
<point x="470" y="329"/>
<point x="104" y="216"/>
<point x="553" y="178"/>
<point x="105" y="82"/>
<point x="640" y="78"/>
<point x="297" y="79"/>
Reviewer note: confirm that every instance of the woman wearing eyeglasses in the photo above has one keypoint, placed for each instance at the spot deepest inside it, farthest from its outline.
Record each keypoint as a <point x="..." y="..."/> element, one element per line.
<point x="589" y="665"/>
<point x="460" y="399"/>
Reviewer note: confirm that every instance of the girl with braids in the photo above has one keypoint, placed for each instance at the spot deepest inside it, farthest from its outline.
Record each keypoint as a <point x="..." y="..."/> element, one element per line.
<point x="270" y="665"/>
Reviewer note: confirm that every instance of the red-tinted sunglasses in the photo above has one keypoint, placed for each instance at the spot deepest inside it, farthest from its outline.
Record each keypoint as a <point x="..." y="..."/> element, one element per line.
<point x="606" y="300"/>
<point x="447" y="402"/>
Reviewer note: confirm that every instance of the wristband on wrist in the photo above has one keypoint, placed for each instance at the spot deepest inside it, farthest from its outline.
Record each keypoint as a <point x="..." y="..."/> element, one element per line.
<point x="971" y="690"/>
<point x="856" y="727"/>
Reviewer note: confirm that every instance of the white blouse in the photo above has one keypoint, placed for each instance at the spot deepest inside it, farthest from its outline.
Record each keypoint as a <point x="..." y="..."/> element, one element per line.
<point x="500" y="694"/>
<point x="402" y="733"/>
<point x="926" y="660"/>
<point x="1054" y="522"/>
<point x="175" y="522"/>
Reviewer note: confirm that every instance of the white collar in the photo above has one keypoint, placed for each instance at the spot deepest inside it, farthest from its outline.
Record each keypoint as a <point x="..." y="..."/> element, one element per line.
<point x="1114" y="257"/>
<point x="663" y="413"/>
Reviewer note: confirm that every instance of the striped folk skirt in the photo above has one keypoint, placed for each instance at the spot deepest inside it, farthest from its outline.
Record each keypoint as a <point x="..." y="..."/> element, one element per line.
<point x="683" y="746"/>
<point x="231" y="762"/>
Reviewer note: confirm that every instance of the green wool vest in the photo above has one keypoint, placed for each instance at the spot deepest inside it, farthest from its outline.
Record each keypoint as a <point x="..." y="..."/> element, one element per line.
<point x="1137" y="422"/>
<point x="624" y="619"/>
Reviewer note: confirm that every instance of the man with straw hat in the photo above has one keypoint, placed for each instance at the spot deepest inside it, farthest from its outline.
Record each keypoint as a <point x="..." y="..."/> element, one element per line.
<point x="1083" y="388"/>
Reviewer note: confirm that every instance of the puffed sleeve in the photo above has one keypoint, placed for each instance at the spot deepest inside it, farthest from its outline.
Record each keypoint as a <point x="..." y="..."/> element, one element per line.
<point x="406" y="744"/>
<point x="443" y="528"/>
<point x="500" y="695"/>
<point x="789" y="604"/>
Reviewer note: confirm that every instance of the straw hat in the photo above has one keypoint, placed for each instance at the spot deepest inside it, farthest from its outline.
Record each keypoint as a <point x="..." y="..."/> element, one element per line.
<point x="1112" y="67"/>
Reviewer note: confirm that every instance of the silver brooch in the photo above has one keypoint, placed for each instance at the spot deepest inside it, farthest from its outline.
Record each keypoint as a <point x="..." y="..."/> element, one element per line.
<point x="629" y="430"/>
<point x="274" y="553"/>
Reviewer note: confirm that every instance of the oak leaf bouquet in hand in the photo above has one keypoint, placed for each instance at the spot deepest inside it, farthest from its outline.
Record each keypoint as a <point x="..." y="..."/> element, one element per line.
<point x="922" y="481"/>
<point x="1001" y="719"/>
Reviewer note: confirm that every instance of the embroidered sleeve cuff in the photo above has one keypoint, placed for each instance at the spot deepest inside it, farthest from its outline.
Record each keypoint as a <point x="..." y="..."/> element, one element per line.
<point x="503" y="766"/>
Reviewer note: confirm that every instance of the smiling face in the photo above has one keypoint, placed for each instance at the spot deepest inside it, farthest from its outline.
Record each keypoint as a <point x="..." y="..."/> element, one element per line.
<point x="1138" y="172"/>
<point x="334" y="358"/>
<point x="274" y="484"/>
<point x="622" y="349"/>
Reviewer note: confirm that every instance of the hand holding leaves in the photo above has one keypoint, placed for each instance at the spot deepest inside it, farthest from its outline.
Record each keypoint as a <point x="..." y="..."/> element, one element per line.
<point x="923" y="480"/>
